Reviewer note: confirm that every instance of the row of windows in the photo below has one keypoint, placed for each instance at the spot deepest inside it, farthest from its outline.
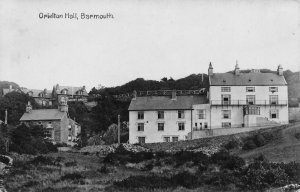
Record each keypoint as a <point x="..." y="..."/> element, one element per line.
<point x="274" y="113"/>
<point x="166" y="139"/>
<point x="161" y="114"/>
<point x="249" y="89"/>
<point x="250" y="99"/>
<point x="161" y="127"/>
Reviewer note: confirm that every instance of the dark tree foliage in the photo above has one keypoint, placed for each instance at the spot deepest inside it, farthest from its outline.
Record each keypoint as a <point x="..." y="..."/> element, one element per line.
<point x="15" y="103"/>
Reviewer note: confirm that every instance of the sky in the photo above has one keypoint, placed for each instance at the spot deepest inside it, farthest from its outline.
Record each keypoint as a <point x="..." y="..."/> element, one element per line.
<point x="145" y="39"/>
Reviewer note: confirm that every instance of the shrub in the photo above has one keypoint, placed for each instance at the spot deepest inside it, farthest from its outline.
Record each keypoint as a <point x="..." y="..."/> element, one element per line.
<point x="71" y="163"/>
<point x="249" y="144"/>
<point x="42" y="160"/>
<point x="4" y="160"/>
<point x="297" y="135"/>
<point x="104" y="169"/>
<point x="232" y="144"/>
<point x="30" y="184"/>
<point x="74" y="177"/>
<point x="150" y="182"/>
<point x="259" y="140"/>
<point x="227" y="161"/>
<point x="186" y="179"/>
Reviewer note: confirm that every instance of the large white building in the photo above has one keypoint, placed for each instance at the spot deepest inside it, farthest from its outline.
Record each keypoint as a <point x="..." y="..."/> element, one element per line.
<point x="235" y="100"/>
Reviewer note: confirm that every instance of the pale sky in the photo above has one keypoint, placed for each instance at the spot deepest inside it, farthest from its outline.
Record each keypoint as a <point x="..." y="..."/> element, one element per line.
<point x="147" y="39"/>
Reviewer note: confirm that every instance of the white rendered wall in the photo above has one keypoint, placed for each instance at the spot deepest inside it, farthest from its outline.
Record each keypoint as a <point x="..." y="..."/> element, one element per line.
<point x="151" y="121"/>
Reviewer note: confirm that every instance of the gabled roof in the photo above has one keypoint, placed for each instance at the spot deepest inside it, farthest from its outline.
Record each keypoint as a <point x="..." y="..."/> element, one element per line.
<point x="245" y="79"/>
<point x="36" y="92"/>
<point x="71" y="90"/>
<point x="166" y="103"/>
<point x="43" y="114"/>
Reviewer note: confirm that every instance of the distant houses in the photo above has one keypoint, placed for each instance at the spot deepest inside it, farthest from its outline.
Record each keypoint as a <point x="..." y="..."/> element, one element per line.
<point x="46" y="98"/>
<point x="235" y="100"/>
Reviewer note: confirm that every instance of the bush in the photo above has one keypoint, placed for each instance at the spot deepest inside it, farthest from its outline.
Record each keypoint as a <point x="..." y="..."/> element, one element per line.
<point x="42" y="160"/>
<point x="227" y="161"/>
<point x="71" y="164"/>
<point x="259" y="140"/>
<point x="249" y="144"/>
<point x="232" y="144"/>
<point x="297" y="135"/>
<point x="104" y="169"/>
<point x="4" y="160"/>
<point x="186" y="179"/>
<point x="74" y="177"/>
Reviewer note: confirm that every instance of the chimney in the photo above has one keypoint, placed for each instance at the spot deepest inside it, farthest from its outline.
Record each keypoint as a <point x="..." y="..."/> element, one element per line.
<point x="237" y="69"/>
<point x="280" y="70"/>
<point x="210" y="69"/>
<point x="134" y="95"/>
<point x="63" y="104"/>
<point x="28" y="107"/>
<point x="5" y="121"/>
<point x="10" y="87"/>
<point x="174" y="97"/>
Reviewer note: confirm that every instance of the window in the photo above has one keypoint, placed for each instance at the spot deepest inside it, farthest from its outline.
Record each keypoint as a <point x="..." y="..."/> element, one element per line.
<point x="201" y="114"/>
<point x="161" y="126"/>
<point x="250" y="99"/>
<point x="181" y="126"/>
<point x="174" y="139"/>
<point x="161" y="115"/>
<point x="274" y="114"/>
<point x="252" y="110"/>
<point x="166" y="139"/>
<point x="205" y="125"/>
<point x="226" y="99"/>
<point x="140" y="126"/>
<point x="226" y="114"/>
<point x="141" y="140"/>
<point x="141" y="115"/>
<point x="273" y="99"/>
<point x="226" y="124"/>
<point x="250" y="89"/>
<point x="48" y="133"/>
<point x="180" y="114"/>
<point x="225" y="89"/>
<point x="273" y="89"/>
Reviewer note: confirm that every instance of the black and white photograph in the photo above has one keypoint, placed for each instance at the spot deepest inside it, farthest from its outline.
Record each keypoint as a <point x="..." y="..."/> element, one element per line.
<point x="154" y="96"/>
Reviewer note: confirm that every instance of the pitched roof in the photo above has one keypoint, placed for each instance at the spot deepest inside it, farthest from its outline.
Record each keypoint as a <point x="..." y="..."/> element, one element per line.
<point x="36" y="92"/>
<point x="71" y="90"/>
<point x="166" y="103"/>
<point x="43" y="114"/>
<point x="244" y="79"/>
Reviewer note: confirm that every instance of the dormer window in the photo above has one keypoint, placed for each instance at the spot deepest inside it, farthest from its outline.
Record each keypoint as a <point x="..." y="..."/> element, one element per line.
<point x="64" y="91"/>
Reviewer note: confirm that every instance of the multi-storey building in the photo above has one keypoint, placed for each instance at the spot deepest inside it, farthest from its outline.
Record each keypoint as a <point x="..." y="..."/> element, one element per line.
<point x="73" y="93"/>
<point x="235" y="100"/>
<point x="247" y="99"/>
<point x="162" y="118"/>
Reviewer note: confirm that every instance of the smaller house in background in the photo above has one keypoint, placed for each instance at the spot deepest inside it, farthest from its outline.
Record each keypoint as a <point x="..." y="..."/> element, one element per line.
<point x="11" y="89"/>
<point x="59" y="127"/>
<point x="72" y="93"/>
<point x="42" y="97"/>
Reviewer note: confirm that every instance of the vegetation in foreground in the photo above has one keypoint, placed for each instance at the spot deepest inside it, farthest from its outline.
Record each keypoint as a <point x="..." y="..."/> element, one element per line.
<point x="147" y="171"/>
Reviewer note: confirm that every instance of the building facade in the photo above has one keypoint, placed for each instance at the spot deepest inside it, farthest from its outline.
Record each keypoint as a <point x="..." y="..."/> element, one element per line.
<point x="247" y="99"/>
<point x="235" y="100"/>
<point x="57" y="124"/>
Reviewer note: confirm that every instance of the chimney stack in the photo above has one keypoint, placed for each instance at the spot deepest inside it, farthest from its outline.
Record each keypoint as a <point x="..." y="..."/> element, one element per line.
<point x="174" y="96"/>
<point x="28" y="107"/>
<point x="280" y="70"/>
<point x="63" y="104"/>
<point x="10" y="88"/>
<point x="210" y="69"/>
<point x="237" y="69"/>
<point x="5" y="121"/>
<point x="134" y="95"/>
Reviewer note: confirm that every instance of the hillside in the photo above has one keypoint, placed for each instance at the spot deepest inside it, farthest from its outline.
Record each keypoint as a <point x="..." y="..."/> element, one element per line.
<point x="285" y="148"/>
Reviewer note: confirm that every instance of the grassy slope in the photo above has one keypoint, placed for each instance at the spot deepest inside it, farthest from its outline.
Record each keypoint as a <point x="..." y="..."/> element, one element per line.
<point x="285" y="148"/>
